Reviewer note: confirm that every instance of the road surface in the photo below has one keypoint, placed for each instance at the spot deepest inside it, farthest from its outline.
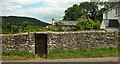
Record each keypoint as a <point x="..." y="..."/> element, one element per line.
<point x="108" y="59"/>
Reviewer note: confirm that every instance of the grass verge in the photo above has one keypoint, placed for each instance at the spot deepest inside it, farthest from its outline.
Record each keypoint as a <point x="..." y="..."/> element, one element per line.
<point x="84" y="53"/>
<point x="63" y="54"/>
<point x="18" y="55"/>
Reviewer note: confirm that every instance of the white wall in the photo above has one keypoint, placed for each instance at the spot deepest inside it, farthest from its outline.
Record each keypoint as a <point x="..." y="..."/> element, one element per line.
<point x="110" y="14"/>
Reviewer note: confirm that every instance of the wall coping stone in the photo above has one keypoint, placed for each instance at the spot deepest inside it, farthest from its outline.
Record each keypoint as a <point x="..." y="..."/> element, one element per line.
<point x="82" y="31"/>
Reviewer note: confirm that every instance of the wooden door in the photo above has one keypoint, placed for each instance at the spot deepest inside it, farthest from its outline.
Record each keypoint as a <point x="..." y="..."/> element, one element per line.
<point x="41" y="44"/>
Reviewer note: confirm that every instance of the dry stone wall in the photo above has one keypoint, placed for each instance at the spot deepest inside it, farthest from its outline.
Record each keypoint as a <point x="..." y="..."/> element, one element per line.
<point x="61" y="40"/>
<point x="82" y="39"/>
<point x="12" y="42"/>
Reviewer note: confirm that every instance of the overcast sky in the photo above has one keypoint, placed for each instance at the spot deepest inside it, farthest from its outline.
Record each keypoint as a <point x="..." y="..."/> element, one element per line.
<point x="43" y="10"/>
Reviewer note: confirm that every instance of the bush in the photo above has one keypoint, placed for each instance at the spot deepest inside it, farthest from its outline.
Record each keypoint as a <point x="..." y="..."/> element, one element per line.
<point x="72" y="29"/>
<point x="32" y="30"/>
<point x="5" y="31"/>
<point x="97" y="25"/>
<point x="85" y="24"/>
<point x="52" y="28"/>
<point x="26" y="30"/>
<point x="42" y="29"/>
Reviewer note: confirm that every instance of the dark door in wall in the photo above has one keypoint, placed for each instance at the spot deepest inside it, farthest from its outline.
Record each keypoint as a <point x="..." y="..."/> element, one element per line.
<point x="41" y="44"/>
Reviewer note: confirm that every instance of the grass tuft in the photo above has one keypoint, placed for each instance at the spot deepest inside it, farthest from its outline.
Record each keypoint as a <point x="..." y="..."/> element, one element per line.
<point x="84" y="53"/>
<point x="18" y="55"/>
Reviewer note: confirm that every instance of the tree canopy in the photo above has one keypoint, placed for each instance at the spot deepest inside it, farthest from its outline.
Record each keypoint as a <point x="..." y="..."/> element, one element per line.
<point x="73" y="13"/>
<point x="92" y="10"/>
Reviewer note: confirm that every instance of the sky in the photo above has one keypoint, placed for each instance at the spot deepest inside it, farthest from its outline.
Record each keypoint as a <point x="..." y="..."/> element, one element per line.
<point x="43" y="10"/>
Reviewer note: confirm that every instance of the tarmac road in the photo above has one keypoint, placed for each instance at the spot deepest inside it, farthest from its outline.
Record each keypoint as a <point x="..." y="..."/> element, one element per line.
<point x="107" y="59"/>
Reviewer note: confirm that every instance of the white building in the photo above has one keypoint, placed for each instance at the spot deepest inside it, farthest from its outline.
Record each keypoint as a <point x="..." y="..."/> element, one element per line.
<point x="111" y="18"/>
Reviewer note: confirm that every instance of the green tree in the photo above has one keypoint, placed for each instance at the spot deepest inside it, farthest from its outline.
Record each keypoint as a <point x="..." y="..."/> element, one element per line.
<point x="14" y="28"/>
<point x="31" y="27"/>
<point x="26" y="25"/>
<point x="107" y="4"/>
<point x="73" y="13"/>
<point x="90" y="9"/>
<point x="85" y="24"/>
<point x="8" y="26"/>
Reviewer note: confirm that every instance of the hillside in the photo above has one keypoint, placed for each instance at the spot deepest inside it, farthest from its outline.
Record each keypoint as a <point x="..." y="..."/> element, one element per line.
<point x="15" y="20"/>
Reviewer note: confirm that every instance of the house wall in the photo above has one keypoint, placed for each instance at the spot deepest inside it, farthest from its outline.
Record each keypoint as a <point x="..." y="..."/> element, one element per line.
<point x="119" y="19"/>
<point x="61" y="40"/>
<point x="110" y="14"/>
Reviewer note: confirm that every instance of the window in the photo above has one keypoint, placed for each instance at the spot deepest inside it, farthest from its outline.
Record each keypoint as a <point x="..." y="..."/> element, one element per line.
<point x="119" y="10"/>
<point x="106" y="15"/>
<point x="116" y="11"/>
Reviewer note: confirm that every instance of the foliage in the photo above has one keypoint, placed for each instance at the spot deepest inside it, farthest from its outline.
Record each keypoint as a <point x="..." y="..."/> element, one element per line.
<point x="24" y="27"/>
<point x="32" y="30"/>
<point x="16" y="20"/>
<point x="27" y="25"/>
<point x="72" y="29"/>
<point x="42" y="30"/>
<point x="14" y="24"/>
<point x="92" y="10"/>
<point x="72" y="13"/>
<point x="107" y="4"/>
<point x="14" y="28"/>
<point x="59" y="26"/>
<point x="18" y="55"/>
<point x="97" y="25"/>
<point x="52" y="28"/>
<point x="85" y="24"/>
<point x="83" y="53"/>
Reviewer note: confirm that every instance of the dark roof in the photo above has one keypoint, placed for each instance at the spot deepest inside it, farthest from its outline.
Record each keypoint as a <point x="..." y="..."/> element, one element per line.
<point x="69" y="23"/>
<point x="72" y="23"/>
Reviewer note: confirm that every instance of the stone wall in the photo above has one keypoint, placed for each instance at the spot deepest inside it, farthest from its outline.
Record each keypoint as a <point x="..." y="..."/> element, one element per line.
<point x="24" y="41"/>
<point x="82" y="39"/>
<point x="61" y="40"/>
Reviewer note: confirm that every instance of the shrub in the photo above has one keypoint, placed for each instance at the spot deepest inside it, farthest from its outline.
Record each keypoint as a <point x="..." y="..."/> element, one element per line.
<point x="72" y="29"/>
<point x="85" y="24"/>
<point x="52" y="28"/>
<point x="42" y="30"/>
<point x="32" y="30"/>
<point x="97" y="25"/>
<point x="26" y="30"/>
